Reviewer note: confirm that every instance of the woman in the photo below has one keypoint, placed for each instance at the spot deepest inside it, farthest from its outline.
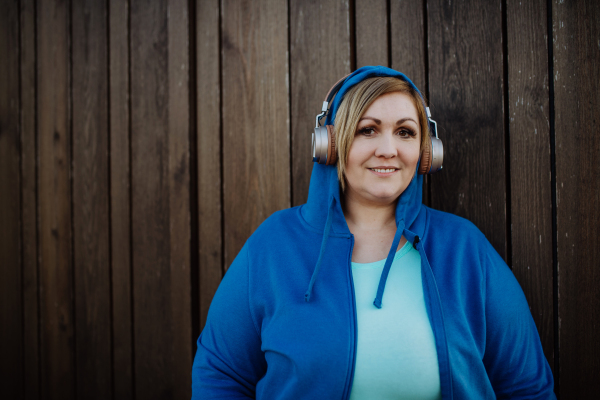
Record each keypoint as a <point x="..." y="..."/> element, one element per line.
<point x="294" y="317"/>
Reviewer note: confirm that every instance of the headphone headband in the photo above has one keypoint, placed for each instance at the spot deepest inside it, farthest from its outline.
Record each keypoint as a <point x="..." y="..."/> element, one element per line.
<point x="332" y="92"/>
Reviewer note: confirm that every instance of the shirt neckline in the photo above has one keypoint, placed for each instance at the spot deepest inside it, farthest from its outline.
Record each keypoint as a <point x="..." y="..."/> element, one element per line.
<point x="380" y="263"/>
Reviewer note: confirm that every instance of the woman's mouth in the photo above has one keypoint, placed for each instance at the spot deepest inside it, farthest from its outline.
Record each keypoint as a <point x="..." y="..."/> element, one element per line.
<point x="383" y="170"/>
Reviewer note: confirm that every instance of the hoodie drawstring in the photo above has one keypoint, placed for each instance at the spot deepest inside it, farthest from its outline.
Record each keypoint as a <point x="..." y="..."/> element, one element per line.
<point x="388" y="264"/>
<point x="321" y="252"/>
<point x="386" y="267"/>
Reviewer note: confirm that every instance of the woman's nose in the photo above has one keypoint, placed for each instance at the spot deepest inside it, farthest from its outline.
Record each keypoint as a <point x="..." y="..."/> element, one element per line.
<point x="385" y="146"/>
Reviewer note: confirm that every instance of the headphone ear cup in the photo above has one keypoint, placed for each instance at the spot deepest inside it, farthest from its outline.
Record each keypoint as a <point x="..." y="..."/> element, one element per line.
<point x="425" y="164"/>
<point x="331" y="146"/>
<point x="432" y="156"/>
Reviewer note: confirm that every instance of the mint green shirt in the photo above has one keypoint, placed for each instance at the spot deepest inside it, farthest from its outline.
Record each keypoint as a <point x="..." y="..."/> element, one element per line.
<point x="396" y="356"/>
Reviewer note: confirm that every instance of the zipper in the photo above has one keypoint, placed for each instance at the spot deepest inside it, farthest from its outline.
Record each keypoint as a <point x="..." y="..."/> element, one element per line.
<point x="438" y="324"/>
<point x="350" y="379"/>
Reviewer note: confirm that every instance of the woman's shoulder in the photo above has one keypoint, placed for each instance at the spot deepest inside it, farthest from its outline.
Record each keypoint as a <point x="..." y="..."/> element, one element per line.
<point x="279" y="221"/>
<point x="280" y="228"/>
<point x="454" y="236"/>
<point x="441" y="221"/>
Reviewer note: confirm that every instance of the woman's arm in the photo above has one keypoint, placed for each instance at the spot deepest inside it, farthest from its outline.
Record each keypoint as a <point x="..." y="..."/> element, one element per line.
<point x="229" y="361"/>
<point x="514" y="359"/>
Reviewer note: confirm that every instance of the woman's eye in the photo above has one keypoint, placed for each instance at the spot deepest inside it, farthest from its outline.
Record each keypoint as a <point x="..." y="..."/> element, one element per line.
<point x="406" y="132"/>
<point x="367" y="131"/>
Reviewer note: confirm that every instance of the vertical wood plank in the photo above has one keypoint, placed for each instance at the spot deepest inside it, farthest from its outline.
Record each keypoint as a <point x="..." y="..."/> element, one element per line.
<point x="255" y="116"/>
<point x="160" y="198"/>
<point x="91" y="200"/>
<point x="408" y="41"/>
<point x="320" y="56"/>
<point x="531" y="196"/>
<point x="576" y="29"/>
<point x="120" y="200"/>
<point x="31" y="359"/>
<point x="120" y="218"/>
<point x="179" y="198"/>
<point x="150" y="208"/>
<point x="465" y="81"/>
<point x="150" y="199"/>
<point x="209" y="152"/>
<point x="56" y="271"/>
<point x="11" y="305"/>
<point x="372" y="32"/>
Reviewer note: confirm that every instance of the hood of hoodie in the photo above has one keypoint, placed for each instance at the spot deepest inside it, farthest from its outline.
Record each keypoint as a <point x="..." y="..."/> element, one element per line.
<point x="324" y="183"/>
<point x="324" y="207"/>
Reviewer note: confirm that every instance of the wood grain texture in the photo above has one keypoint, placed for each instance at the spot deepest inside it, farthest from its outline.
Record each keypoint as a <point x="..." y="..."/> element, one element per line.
<point x="408" y="41"/>
<point x="208" y="114"/>
<point x="150" y="200"/>
<point x="372" y="32"/>
<point x="319" y="57"/>
<point x="120" y="218"/>
<point x="57" y="339"/>
<point x="11" y="304"/>
<point x="576" y="29"/>
<point x="160" y="198"/>
<point x="256" y="172"/>
<point x="465" y="81"/>
<point x="531" y="192"/>
<point x="179" y="200"/>
<point x="29" y="260"/>
<point x="91" y="200"/>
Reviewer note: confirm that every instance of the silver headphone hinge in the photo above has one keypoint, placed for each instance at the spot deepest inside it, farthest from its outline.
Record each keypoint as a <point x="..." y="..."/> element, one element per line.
<point x="432" y="123"/>
<point x="323" y="113"/>
<point x="433" y="128"/>
<point x="318" y="120"/>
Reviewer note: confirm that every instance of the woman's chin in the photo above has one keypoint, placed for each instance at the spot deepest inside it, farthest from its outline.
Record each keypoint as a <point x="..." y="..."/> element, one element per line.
<point x="386" y="193"/>
<point x="383" y="197"/>
<point x="375" y="194"/>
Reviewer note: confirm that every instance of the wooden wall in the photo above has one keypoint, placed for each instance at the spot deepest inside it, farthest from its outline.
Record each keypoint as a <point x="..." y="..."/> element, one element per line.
<point x="142" y="142"/>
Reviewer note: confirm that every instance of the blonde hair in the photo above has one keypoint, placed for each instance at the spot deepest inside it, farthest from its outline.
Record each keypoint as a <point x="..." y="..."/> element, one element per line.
<point x="355" y="103"/>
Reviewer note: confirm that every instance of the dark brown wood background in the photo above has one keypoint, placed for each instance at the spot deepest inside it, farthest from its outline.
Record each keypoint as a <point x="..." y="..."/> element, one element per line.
<point x="142" y="142"/>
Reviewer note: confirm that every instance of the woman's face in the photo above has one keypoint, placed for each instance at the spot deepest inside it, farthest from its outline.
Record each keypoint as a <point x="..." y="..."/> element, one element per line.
<point x="383" y="156"/>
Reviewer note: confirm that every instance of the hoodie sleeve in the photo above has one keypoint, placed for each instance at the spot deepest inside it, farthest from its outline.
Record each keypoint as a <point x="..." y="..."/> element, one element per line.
<point x="514" y="359"/>
<point x="229" y="361"/>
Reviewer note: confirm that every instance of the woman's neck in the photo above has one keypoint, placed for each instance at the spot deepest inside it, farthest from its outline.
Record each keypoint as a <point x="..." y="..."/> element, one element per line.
<point x="368" y="215"/>
<point x="373" y="227"/>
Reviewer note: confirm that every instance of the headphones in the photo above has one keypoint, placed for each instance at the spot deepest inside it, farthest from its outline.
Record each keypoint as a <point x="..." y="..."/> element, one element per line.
<point x="324" y="149"/>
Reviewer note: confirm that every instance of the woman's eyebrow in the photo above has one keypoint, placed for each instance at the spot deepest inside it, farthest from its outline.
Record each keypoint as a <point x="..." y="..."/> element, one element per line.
<point x="403" y="120"/>
<point x="377" y="121"/>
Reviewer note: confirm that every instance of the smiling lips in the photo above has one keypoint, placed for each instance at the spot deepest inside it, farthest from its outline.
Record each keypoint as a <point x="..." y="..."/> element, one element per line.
<point x="384" y="170"/>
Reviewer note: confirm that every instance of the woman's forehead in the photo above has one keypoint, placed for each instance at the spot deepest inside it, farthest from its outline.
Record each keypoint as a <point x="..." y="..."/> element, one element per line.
<point x="392" y="106"/>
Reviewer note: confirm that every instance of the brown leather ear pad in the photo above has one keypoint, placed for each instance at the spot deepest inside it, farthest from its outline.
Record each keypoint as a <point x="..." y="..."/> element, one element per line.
<point x="425" y="165"/>
<point x="331" y="148"/>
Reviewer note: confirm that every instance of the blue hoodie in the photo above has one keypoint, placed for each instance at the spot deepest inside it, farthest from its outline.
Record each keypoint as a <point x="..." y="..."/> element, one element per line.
<point x="282" y="324"/>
